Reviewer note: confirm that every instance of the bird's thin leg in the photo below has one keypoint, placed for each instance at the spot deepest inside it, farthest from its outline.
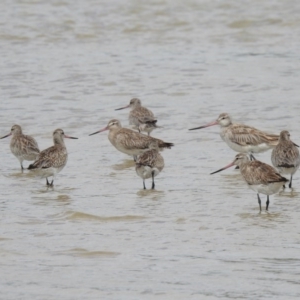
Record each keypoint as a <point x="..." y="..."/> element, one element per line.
<point x="144" y="184"/>
<point x="51" y="184"/>
<point x="252" y="157"/>
<point x="259" y="201"/>
<point x="47" y="182"/>
<point x="22" y="168"/>
<point x="267" y="203"/>
<point x="153" y="184"/>
<point x="290" y="185"/>
<point x="134" y="158"/>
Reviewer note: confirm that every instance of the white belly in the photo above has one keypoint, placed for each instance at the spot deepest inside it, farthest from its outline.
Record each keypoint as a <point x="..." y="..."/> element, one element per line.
<point x="270" y="189"/>
<point x="247" y="148"/>
<point x="44" y="173"/>
<point x="145" y="172"/>
<point x="288" y="171"/>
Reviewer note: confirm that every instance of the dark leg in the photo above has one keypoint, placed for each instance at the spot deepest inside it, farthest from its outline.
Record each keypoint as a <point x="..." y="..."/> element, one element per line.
<point x="284" y="186"/>
<point x="252" y="157"/>
<point x="22" y="168"/>
<point x="153" y="184"/>
<point x="49" y="183"/>
<point x="267" y="203"/>
<point x="144" y="184"/>
<point x="134" y="158"/>
<point x="290" y="185"/>
<point x="259" y="202"/>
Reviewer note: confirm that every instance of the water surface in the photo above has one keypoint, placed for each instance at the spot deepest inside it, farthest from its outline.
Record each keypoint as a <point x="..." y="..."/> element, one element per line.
<point x="98" y="234"/>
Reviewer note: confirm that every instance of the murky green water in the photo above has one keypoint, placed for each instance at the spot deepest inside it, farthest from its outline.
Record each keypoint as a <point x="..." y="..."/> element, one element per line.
<point x="98" y="234"/>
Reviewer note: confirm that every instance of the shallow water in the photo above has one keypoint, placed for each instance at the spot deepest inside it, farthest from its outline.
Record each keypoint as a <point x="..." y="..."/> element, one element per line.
<point x="97" y="233"/>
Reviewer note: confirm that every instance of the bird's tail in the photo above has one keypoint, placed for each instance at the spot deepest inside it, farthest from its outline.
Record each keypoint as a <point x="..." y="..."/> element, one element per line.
<point x="32" y="167"/>
<point x="165" y="145"/>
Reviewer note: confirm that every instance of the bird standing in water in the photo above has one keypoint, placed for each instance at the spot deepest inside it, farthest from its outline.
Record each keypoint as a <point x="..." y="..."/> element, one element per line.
<point x="53" y="159"/>
<point x="285" y="156"/>
<point x="140" y="117"/>
<point x="23" y="147"/>
<point x="259" y="176"/>
<point x="130" y="142"/>
<point x="243" y="138"/>
<point x="149" y="164"/>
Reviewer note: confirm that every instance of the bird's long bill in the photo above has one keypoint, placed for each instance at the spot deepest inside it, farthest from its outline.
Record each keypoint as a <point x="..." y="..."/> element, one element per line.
<point x="5" y="136"/>
<point x="226" y="167"/>
<point x="207" y="125"/>
<point x="70" y="137"/>
<point x="123" y="107"/>
<point x="105" y="128"/>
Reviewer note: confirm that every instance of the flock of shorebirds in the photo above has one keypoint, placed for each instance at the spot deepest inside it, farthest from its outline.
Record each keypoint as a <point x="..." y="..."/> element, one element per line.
<point x="144" y="148"/>
<point x="260" y="177"/>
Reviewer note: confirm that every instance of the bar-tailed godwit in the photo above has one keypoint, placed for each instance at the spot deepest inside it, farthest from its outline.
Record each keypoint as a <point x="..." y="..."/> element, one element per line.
<point x="149" y="164"/>
<point x="130" y="142"/>
<point x="140" y="117"/>
<point x="285" y="156"/>
<point x="23" y="147"/>
<point x="243" y="138"/>
<point x="53" y="159"/>
<point x="259" y="176"/>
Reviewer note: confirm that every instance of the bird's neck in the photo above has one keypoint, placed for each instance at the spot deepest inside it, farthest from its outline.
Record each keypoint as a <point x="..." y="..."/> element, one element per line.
<point x="58" y="141"/>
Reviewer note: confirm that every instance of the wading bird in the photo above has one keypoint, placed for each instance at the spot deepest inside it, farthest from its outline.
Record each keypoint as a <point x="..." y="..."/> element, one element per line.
<point x="149" y="164"/>
<point x="260" y="177"/>
<point x="285" y="156"/>
<point x="130" y="142"/>
<point x="140" y="117"/>
<point x="23" y="147"/>
<point x="243" y="138"/>
<point x="53" y="159"/>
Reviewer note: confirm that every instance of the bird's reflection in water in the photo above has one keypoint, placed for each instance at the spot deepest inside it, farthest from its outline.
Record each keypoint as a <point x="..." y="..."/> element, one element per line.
<point x="149" y="193"/>
<point x="126" y="164"/>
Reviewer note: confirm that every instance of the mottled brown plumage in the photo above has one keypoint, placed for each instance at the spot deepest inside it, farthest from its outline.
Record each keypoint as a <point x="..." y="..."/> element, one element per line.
<point x="259" y="176"/>
<point x="130" y="142"/>
<point x="285" y="156"/>
<point x="244" y="135"/>
<point x="256" y="172"/>
<point x="243" y="138"/>
<point x="147" y="124"/>
<point x="149" y="165"/>
<point x="53" y="159"/>
<point x="23" y="147"/>
<point x="140" y="117"/>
